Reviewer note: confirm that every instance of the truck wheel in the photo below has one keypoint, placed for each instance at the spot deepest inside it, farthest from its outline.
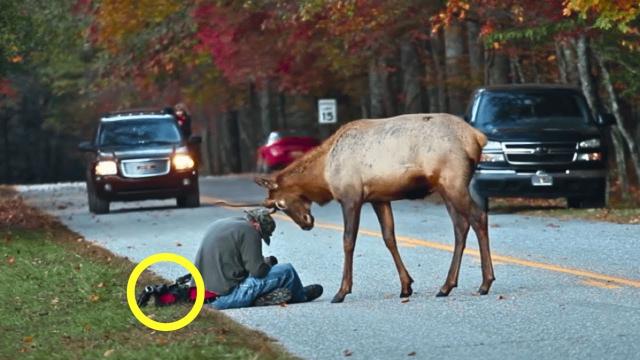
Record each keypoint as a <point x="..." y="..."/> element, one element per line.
<point x="598" y="201"/>
<point x="189" y="200"/>
<point x="97" y="205"/>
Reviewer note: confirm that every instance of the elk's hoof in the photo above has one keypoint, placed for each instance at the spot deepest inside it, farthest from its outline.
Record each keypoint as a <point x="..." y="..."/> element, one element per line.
<point x="406" y="294"/>
<point x="338" y="298"/>
<point x="483" y="291"/>
<point x="442" y="294"/>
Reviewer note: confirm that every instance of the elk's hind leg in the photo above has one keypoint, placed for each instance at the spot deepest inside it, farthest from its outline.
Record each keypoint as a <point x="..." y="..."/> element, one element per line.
<point x="385" y="217"/>
<point x="461" y="229"/>
<point x="479" y="222"/>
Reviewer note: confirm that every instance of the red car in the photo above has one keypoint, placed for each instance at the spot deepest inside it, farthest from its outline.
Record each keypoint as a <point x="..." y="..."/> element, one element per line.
<point x="282" y="147"/>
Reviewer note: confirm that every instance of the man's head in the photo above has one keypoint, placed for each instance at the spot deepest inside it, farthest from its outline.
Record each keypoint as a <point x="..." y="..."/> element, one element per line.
<point x="266" y="225"/>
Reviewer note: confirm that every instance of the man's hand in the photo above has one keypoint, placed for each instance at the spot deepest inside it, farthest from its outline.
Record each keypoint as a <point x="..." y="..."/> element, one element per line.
<point x="271" y="260"/>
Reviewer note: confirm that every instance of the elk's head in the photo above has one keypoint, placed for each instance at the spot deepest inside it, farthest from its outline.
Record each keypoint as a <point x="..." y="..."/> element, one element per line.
<point x="289" y="200"/>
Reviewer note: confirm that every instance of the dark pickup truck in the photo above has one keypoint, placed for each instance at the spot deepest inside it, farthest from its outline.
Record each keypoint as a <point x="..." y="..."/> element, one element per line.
<point x="543" y="142"/>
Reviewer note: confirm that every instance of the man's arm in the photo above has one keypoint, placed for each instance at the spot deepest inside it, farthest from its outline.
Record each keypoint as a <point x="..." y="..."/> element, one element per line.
<point x="252" y="258"/>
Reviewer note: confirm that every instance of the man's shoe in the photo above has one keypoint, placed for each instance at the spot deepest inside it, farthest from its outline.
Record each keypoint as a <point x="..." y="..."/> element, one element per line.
<point x="312" y="292"/>
<point x="276" y="297"/>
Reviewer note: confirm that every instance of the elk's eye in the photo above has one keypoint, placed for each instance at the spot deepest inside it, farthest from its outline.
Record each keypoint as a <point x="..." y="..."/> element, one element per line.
<point x="280" y="204"/>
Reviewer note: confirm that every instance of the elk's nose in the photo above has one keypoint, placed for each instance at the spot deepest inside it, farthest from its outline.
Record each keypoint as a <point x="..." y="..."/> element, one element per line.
<point x="308" y="219"/>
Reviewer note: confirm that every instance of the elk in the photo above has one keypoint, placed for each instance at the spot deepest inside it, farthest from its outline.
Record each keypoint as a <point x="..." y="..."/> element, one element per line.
<point x="381" y="160"/>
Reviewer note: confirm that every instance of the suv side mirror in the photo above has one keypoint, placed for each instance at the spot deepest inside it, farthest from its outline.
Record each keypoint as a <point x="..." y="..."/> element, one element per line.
<point x="606" y="119"/>
<point x="195" y="140"/>
<point x="86" y="146"/>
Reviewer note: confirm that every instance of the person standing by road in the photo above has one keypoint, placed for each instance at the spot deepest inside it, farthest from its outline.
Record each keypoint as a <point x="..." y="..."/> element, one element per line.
<point x="184" y="119"/>
<point x="232" y="265"/>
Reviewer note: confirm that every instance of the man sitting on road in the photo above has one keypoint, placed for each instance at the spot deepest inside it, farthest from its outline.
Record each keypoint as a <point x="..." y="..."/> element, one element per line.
<point x="232" y="265"/>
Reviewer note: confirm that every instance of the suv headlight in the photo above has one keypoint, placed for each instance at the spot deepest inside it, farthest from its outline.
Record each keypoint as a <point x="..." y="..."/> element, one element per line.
<point x="106" y="167"/>
<point x="589" y="144"/>
<point x="183" y="162"/>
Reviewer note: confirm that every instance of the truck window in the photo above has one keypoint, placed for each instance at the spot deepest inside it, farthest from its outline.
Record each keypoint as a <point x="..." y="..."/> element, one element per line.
<point x="550" y="109"/>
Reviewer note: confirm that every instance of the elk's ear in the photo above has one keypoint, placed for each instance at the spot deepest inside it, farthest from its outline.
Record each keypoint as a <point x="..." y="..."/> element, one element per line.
<point x="266" y="182"/>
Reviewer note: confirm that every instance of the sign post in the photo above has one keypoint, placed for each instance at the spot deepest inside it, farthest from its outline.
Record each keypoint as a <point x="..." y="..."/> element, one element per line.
<point x="327" y="111"/>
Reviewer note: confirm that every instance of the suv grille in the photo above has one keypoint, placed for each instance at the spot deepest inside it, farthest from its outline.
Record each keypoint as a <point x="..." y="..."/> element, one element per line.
<point x="540" y="153"/>
<point x="138" y="168"/>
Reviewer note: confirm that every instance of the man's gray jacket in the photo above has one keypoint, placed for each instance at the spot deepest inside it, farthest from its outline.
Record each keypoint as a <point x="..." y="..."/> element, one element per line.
<point x="230" y="251"/>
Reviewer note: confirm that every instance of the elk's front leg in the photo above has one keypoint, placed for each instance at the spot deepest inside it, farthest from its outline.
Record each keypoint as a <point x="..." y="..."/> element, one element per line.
<point x="351" y="217"/>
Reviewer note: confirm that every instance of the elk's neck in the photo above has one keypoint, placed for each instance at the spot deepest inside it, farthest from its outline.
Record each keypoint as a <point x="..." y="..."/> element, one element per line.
<point x="307" y="175"/>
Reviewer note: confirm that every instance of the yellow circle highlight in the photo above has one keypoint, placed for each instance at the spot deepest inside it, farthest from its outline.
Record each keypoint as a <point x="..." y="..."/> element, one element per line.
<point x="131" y="292"/>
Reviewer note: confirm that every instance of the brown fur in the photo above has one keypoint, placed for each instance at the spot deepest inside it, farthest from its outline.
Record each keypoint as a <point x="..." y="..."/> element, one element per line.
<point x="382" y="160"/>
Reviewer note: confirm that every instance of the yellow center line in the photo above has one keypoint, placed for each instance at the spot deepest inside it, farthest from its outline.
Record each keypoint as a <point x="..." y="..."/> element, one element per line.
<point x="600" y="284"/>
<point x="593" y="278"/>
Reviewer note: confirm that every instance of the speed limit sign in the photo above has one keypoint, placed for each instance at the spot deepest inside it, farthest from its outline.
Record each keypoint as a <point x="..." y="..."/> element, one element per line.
<point x="327" y="111"/>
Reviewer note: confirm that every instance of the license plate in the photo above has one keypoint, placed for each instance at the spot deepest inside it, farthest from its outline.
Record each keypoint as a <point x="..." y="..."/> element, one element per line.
<point x="541" y="180"/>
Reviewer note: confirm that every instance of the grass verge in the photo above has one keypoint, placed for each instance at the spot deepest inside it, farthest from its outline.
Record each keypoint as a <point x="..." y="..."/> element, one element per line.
<point x="64" y="298"/>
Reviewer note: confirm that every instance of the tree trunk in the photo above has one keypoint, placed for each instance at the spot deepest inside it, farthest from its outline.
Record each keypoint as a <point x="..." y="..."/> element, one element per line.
<point x="615" y="109"/>
<point x="6" y="159"/>
<point x="476" y="57"/>
<point x="569" y="57"/>
<point x="248" y="141"/>
<point x="379" y="88"/>
<point x="456" y="76"/>
<point x="268" y="108"/>
<point x="621" y="167"/>
<point x="496" y="67"/>
<point x="586" y="78"/>
<point x="516" y="70"/>
<point x="411" y="76"/>
<point x="437" y="51"/>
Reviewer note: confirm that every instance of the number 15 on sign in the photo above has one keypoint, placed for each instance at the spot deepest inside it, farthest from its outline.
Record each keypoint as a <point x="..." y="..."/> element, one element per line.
<point x="327" y="111"/>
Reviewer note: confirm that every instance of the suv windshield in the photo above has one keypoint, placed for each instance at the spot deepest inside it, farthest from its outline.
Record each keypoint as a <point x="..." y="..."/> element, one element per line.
<point x="139" y="132"/>
<point x="548" y="109"/>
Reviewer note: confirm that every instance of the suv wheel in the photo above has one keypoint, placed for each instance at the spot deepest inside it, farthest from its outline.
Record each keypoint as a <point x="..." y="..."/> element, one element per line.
<point x="598" y="201"/>
<point x="189" y="200"/>
<point x="97" y="205"/>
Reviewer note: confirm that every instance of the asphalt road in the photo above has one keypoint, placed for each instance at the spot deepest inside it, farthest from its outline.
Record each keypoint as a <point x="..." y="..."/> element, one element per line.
<point x="563" y="289"/>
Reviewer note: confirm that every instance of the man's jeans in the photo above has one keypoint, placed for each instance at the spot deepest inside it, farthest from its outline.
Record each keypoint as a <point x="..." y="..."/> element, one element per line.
<point x="245" y="293"/>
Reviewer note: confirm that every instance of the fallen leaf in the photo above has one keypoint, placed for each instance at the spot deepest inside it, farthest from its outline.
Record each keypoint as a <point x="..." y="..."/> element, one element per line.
<point x="101" y="285"/>
<point x="11" y="260"/>
<point x="94" y="298"/>
<point x="405" y="300"/>
<point x="55" y="301"/>
<point x="413" y="353"/>
<point x="551" y="225"/>
<point x="347" y="352"/>
<point x="23" y="350"/>
<point x="108" y="352"/>
<point x="27" y="339"/>
<point x="502" y="297"/>
<point x="87" y="328"/>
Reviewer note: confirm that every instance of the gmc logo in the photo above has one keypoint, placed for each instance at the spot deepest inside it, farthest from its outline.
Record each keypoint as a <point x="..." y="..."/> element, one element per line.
<point x="146" y="167"/>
